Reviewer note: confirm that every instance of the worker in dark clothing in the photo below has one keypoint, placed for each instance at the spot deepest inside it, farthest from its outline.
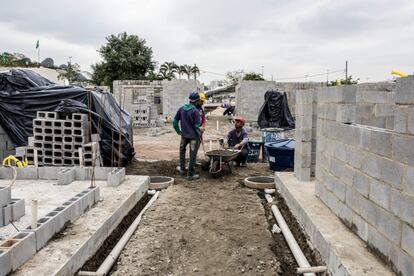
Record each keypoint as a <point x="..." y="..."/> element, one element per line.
<point x="190" y="120"/>
<point x="237" y="138"/>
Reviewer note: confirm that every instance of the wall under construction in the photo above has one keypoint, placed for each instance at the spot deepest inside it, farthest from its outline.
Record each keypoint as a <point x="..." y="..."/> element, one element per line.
<point x="250" y="95"/>
<point x="149" y="101"/>
<point x="6" y="145"/>
<point x="365" y="163"/>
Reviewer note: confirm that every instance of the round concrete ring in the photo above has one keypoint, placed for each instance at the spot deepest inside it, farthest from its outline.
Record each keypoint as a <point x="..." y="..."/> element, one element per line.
<point x="260" y="182"/>
<point x="160" y="182"/>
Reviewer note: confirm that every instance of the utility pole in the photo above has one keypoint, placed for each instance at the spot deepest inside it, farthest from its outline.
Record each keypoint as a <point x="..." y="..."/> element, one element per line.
<point x="346" y="71"/>
<point x="262" y="71"/>
<point x="327" y="77"/>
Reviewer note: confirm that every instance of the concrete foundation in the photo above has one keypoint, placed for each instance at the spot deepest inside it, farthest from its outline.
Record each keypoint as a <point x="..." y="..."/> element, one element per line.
<point x="344" y="252"/>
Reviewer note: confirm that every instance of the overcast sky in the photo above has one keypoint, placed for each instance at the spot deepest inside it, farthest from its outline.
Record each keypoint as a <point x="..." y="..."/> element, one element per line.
<point x="289" y="38"/>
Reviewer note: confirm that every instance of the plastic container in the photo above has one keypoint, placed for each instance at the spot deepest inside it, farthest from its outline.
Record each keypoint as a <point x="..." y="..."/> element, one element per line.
<point x="281" y="154"/>
<point x="270" y="135"/>
<point x="254" y="151"/>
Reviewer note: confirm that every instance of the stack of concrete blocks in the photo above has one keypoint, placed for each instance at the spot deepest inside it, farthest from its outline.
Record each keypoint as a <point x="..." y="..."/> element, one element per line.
<point x="175" y="94"/>
<point x="250" y="95"/>
<point x="92" y="154"/>
<point x="6" y="144"/>
<point x="375" y="104"/>
<point x="305" y="134"/>
<point x="10" y="209"/>
<point x="57" y="140"/>
<point x="365" y="175"/>
<point x="15" y="251"/>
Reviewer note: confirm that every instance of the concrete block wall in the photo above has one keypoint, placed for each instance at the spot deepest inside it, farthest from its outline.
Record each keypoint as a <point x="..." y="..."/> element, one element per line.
<point x="7" y="147"/>
<point x="250" y="95"/>
<point x="365" y="174"/>
<point x="305" y="134"/>
<point x="175" y="93"/>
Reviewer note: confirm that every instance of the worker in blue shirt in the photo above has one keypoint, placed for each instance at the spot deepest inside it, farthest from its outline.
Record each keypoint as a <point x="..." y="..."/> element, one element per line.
<point x="188" y="117"/>
<point x="237" y="138"/>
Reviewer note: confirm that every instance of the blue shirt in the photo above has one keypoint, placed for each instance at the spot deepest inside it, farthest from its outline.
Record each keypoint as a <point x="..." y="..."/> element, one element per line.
<point x="234" y="138"/>
<point x="190" y="121"/>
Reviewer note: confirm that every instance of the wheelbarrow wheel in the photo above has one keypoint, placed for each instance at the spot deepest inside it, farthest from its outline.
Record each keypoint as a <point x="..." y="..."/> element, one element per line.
<point x="215" y="169"/>
<point x="205" y="165"/>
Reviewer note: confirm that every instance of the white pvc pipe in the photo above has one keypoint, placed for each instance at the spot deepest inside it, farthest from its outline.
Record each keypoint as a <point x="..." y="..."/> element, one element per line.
<point x="269" y="191"/>
<point x="34" y="213"/>
<point x="315" y="269"/>
<point x="116" y="251"/>
<point x="151" y="192"/>
<point x="293" y="245"/>
<point x="269" y="198"/>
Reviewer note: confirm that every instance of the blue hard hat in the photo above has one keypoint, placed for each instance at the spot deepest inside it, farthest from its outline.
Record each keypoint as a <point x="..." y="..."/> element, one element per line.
<point x="194" y="96"/>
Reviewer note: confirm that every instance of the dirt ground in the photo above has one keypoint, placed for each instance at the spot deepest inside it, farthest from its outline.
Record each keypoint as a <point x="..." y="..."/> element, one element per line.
<point x="208" y="226"/>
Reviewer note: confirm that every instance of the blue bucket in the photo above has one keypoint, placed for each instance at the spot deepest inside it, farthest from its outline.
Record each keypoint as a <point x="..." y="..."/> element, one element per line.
<point x="254" y="151"/>
<point x="281" y="154"/>
<point x="270" y="135"/>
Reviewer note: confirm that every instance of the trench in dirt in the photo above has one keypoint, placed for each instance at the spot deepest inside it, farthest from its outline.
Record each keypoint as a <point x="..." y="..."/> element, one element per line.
<point x="279" y="247"/>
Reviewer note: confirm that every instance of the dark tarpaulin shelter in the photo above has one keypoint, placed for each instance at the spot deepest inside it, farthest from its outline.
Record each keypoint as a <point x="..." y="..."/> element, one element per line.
<point x="24" y="92"/>
<point x="275" y="111"/>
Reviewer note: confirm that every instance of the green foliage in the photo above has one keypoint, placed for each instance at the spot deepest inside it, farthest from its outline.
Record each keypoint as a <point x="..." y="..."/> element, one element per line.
<point x="232" y="78"/>
<point x="348" y="81"/>
<point x="168" y="70"/>
<point x="98" y="76"/>
<point x="126" y="57"/>
<point x="253" y="76"/>
<point x="72" y="73"/>
<point x="16" y="60"/>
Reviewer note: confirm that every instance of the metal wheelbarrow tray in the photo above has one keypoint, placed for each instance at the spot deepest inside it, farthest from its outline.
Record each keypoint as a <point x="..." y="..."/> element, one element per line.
<point x="218" y="157"/>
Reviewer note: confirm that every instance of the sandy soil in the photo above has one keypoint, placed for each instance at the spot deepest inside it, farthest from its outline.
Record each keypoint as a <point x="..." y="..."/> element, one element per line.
<point x="208" y="226"/>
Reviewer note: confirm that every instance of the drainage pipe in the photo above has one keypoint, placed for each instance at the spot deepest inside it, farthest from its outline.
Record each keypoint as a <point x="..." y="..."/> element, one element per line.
<point x="293" y="245"/>
<point x="269" y="191"/>
<point x="151" y="192"/>
<point x="315" y="269"/>
<point x="116" y="251"/>
<point x="269" y="198"/>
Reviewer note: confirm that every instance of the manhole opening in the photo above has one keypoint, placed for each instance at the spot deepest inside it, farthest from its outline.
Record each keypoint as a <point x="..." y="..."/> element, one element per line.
<point x="160" y="179"/>
<point x="261" y="179"/>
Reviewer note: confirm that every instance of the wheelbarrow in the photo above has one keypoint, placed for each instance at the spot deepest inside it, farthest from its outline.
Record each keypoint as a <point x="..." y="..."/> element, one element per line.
<point x="219" y="159"/>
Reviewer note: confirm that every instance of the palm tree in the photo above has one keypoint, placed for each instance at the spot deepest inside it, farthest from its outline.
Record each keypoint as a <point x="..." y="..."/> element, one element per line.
<point x="195" y="71"/>
<point x="186" y="70"/>
<point x="168" y="70"/>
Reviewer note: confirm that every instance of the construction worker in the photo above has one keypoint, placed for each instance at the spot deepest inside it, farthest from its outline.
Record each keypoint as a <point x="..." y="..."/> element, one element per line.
<point x="190" y="120"/>
<point x="202" y="112"/>
<point x="237" y="138"/>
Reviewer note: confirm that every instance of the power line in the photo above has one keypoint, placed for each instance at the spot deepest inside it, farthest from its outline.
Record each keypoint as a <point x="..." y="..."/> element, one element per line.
<point x="310" y="76"/>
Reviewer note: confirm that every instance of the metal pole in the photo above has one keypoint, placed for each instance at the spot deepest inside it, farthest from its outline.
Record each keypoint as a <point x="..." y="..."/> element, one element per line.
<point x="346" y="71"/>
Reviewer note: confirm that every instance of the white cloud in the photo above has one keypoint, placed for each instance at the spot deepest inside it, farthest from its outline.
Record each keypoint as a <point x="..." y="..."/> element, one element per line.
<point x="288" y="38"/>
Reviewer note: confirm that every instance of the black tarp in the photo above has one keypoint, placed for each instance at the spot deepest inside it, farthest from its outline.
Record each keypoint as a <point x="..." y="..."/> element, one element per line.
<point x="24" y="92"/>
<point x="275" y="111"/>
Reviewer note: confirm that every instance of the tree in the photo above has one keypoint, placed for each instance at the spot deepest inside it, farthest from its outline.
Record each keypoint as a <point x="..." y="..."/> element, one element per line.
<point x="348" y="81"/>
<point x="98" y="76"/>
<point x="168" y="70"/>
<point x="126" y="57"/>
<point x="72" y="73"/>
<point x="253" y="76"/>
<point x="195" y="71"/>
<point x="186" y="70"/>
<point x="232" y="78"/>
<point x="47" y="62"/>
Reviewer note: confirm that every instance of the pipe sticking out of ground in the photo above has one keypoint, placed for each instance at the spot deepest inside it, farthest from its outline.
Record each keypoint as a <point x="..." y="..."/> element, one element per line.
<point x="290" y="239"/>
<point x="116" y="251"/>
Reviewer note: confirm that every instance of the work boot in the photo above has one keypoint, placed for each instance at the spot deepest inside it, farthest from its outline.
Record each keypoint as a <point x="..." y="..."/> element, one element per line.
<point x="244" y="164"/>
<point x="193" y="177"/>
<point x="182" y="172"/>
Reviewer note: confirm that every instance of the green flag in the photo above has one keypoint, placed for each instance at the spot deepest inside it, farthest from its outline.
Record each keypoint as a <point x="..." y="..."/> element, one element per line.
<point x="37" y="44"/>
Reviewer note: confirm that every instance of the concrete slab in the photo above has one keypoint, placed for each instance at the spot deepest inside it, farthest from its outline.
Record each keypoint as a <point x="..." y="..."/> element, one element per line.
<point x="343" y="252"/>
<point x="64" y="256"/>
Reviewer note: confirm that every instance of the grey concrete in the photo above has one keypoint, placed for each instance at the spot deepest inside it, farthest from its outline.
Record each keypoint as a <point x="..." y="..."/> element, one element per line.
<point x="343" y="252"/>
<point x="23" y="249"/>
<point x="17" y="208"/>
<point x="7" y="215"/>
<point x="66" y="176"/>
<point x="5" y="262"/>
<point x="5" y="195"/>
<point x="116" y="177"/>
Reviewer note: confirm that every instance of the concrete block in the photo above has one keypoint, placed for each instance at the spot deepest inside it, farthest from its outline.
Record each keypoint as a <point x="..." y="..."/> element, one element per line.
<point x="405" y="90"/>
<point x="21" y="248"/>
<point x="378" y="242"/>
<point x="95" y="137"/>
<point x="21" y="151"/>
<point x="346" y="113"/>
<point x="116" y="177"/>
<point x="389" y="225"/>
<point x="403" y="149"/>
<point x="5" y="262"/>
<point x="27" y="173"/>
<point x="379" y="193"/>
<point x="405" y="263"/>
<point x="6" y="211"/>
<point x="369" y="210"/>
<point x="407" y="239"/>
<point x="45" y="230"/>
<point x="361" y="183"/>
<point x="392" y="173"/>
<point x="6" y="173"/>
<point x="101" y="173"/>
<point x="381" y="143"/>
<point x="17" y="208"/>
<point x="66" y="176"/>
<point x="360" y="227"/>
<point x="372" y="165"/>
<point x="5" y="196"/>
<point x="402" y="205"/>
<point x="62" y="216"/>
<point x="48" y="173"/>
<point x="409" y="180"/>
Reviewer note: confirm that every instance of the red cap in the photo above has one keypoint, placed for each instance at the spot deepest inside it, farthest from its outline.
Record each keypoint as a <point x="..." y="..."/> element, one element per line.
<point x="240" y="119"/>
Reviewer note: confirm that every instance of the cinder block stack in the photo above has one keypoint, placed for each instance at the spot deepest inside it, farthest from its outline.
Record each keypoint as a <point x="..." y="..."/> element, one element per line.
<point x="6" y="144"/>
<point x="10" y="209"/>
<point x="57" y="140"/>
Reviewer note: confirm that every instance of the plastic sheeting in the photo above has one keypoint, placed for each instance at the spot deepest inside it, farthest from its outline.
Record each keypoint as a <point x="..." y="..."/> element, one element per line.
<point x="275" y="111"/>
<point x="24" y="92"/>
